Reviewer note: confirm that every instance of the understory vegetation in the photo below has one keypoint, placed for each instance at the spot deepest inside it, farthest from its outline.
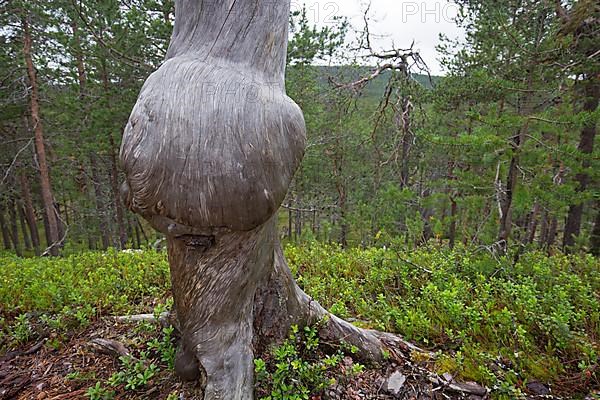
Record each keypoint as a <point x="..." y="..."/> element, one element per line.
<point x="490" y="319"/>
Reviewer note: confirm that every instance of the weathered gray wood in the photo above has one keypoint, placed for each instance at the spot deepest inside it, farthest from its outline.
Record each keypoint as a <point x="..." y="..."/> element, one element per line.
<point x="213" y="140"/>
<point x="209" y="152"/>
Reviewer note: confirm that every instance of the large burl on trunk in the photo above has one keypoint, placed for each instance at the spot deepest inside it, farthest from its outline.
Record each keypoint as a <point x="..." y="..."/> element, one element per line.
<point x="209" y="151"/>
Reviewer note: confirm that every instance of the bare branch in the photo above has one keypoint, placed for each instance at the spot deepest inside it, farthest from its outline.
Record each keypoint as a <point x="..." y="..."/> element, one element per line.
<point x="22" y="149"/>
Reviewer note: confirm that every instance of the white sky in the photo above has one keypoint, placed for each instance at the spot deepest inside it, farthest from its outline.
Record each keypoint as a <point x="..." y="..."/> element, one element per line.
<point x="395" y="22"/>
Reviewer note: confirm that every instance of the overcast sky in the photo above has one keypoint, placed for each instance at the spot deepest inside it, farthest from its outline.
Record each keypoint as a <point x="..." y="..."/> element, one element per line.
<point x="394" y="21"/>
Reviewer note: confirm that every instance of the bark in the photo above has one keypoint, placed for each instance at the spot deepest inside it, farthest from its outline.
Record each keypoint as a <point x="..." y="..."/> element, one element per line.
<point x="586" y="147"/>
<point x="5" y="230"/>
<point x="67" y="203"/>
<point x="91" y="242"/>
<point x="340" y="185"/>
<point x="228" y="308"/>
<point x="544" y="227"/>
<point x="552" y="232"/>
<point x="46" y="189"/>
<point x="298" y="223"/>
<point x="24" y="230"/>
<point x="14" y="228"/>
<point x="533" y="223"/>
<point x="404" y="121"/>
<point x="595" y="239"/>
<point x="114" y="184"/>
<point x="60" y="225"/>
<point x="215" y="189"/>
<point x="47" y="230"/>
<point x="114" y="175"/>
<point x="100" y="203"/>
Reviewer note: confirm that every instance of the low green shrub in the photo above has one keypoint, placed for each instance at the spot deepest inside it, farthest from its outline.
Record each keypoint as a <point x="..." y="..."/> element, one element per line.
<point x="496" y="322"/>
<point x="298" y="368"/>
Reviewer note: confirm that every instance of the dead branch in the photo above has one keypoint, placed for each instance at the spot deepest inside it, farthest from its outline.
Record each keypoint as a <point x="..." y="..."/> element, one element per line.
<point x="109" y="347"/>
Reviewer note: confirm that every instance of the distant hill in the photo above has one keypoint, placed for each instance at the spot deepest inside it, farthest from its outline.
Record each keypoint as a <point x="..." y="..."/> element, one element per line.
<point x="375" y="87"/>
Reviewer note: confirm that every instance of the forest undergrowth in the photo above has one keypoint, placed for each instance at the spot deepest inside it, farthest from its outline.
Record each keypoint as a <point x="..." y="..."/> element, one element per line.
<point x="510" y="326"/>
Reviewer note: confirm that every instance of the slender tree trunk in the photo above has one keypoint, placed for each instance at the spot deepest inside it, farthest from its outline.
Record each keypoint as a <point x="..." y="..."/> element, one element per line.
<point x="24" y="228"/>
<point x="298" y="232"/>
<point x="100" y="203"/>
<point x="46" y="230"/>
<point x="5" y="229"/>
<point x="91" y="242"/>
<point x="552" y="232"/>
<point x="533" y="222"/>
<point x="586" y="147"/>
<point x="114" y="184"/>
<point x="66" y="204"/>
<point x="340" y="185"/>
<point x="14" y="228"/>
<point x="60" y="224"/>
<point x="404" y="120"/>
<point x="46" y="189"/>
<point x="595" y="239"/>
<point x="343" y="223"/>
<point x="114" y="181"/>
<point x="544" y="226"/>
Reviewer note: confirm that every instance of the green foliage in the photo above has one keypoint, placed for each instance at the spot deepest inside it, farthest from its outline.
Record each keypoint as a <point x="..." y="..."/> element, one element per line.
<point x="98" y="392"/>
<point x="165" y="347"/>
<point x="73" y="291"/>
<point x="298" y="368"/>
<point x="21" y="331"/>
<point x="155" y="359"/>
<point x="134" y="373"/>
<point x="81" y="285"/>
<point x="497" y="322"/>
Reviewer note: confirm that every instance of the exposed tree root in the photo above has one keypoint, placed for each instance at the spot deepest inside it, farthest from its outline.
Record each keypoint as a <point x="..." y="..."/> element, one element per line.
<point x="235" y="297"/>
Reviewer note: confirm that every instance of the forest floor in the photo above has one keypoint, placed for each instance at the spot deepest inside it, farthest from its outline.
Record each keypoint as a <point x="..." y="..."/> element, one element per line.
<point x="77" y="368"/>
<point x="529" y="330"/>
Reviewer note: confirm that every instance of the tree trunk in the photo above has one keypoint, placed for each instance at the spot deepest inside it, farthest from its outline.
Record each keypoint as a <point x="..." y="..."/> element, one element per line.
<point x="544" y="227"/>
<point x="114" y="171"/>
<point x="595" y="239"/>
<point x="552" y="232"/>
<point x="60" y="225"/>
<point x="46" y="189"/>
<point x="230" y="307"/>
<point x="586" y="147"/>
<point x="5" y="230"/>
<point x="114" y="184"/>
<point x="14" y="228"/>
<point x="100" y="203"/>
<point x="214" y="191"/>
<point x="24" y="229"/>
<point x="404" y="121"/>
<point x="532" y="225"/>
